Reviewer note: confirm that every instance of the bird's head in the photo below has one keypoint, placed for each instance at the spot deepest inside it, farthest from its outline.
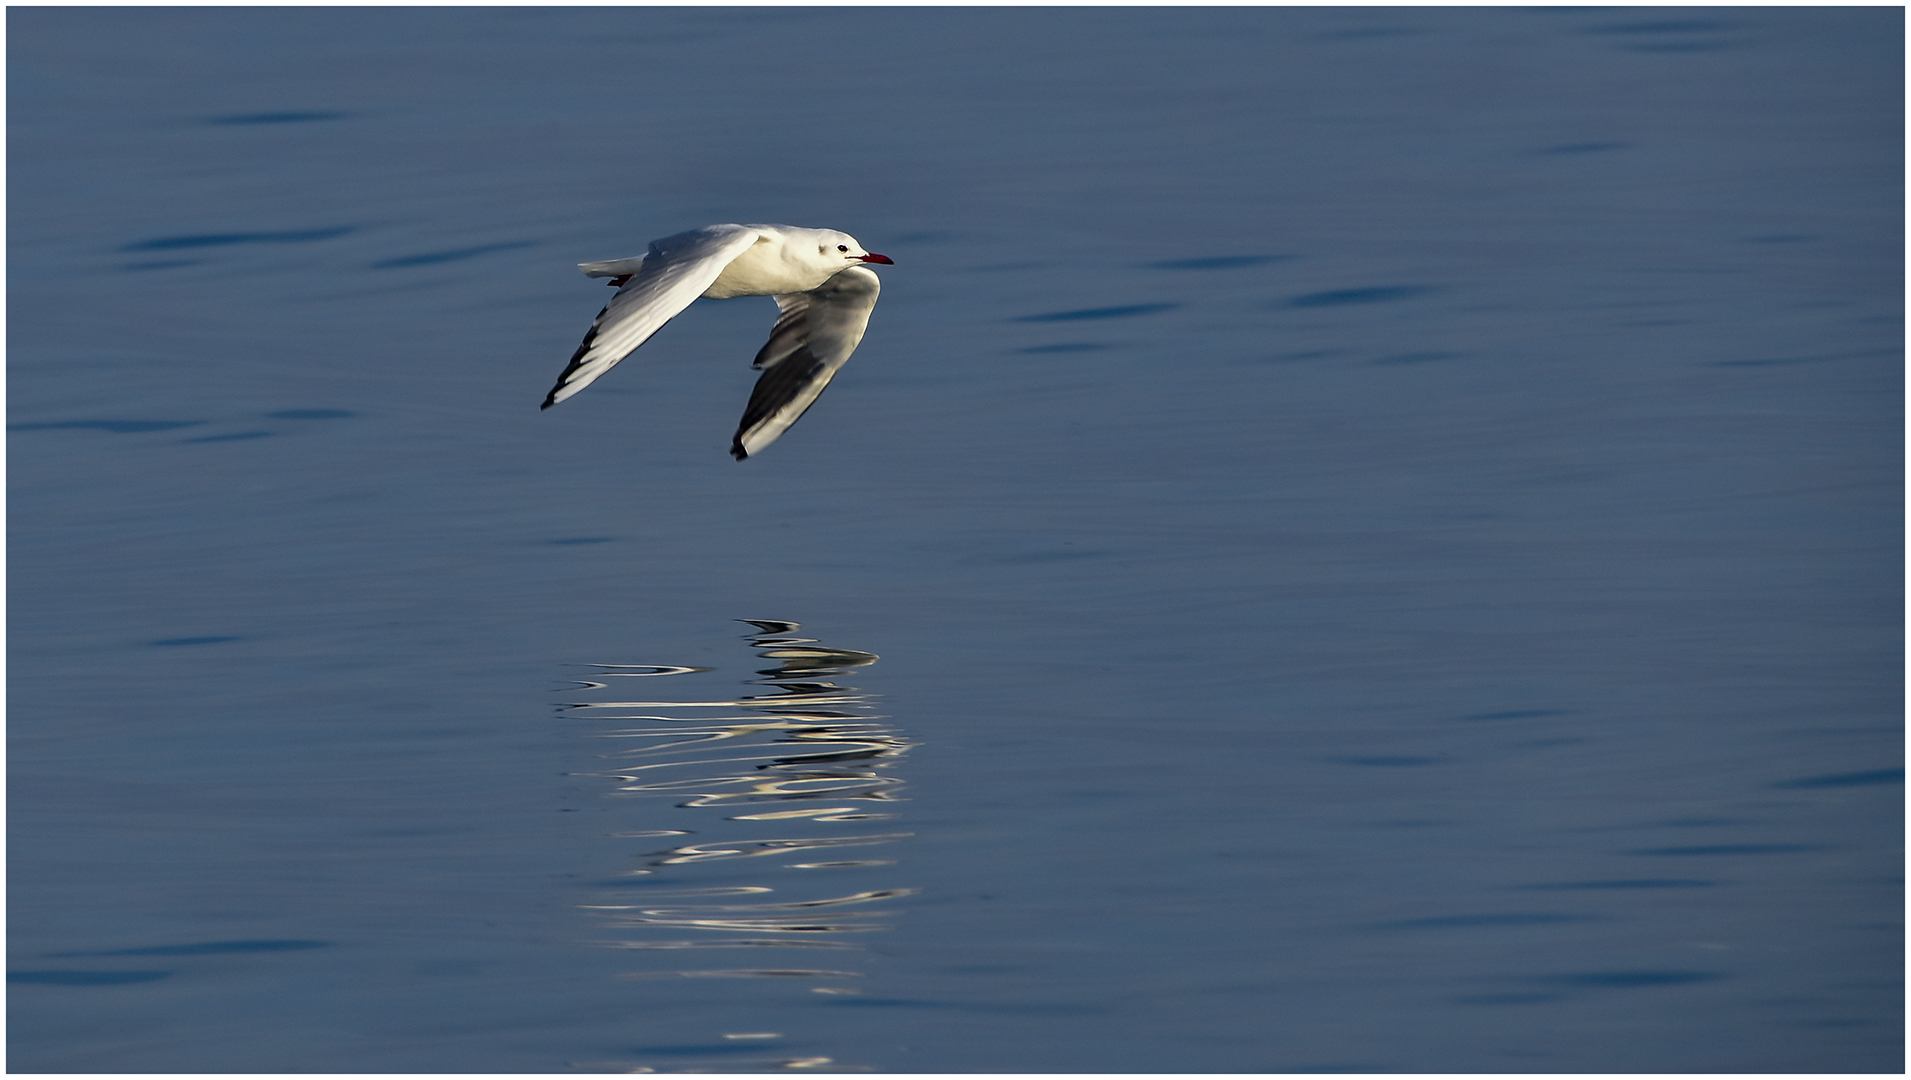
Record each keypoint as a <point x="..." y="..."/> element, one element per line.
<point x="843" y="248"/>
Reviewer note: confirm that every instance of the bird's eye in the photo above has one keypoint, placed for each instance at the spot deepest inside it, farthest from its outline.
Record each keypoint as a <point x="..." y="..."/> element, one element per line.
<point x="842" y="247"/>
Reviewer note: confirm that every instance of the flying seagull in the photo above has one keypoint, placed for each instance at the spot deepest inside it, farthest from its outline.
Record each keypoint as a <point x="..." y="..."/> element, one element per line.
<point x="824" y="293"/>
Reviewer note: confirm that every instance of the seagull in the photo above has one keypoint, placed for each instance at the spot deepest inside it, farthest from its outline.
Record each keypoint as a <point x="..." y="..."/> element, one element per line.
<point x="819" y="278"/>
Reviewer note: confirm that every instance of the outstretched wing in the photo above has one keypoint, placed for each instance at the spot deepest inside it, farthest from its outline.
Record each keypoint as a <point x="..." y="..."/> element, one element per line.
<point x="676" y="271"/>
<point x="815" y="333"/>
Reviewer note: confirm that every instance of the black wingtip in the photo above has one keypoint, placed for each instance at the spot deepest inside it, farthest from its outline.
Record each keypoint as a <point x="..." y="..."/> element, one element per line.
<point x="737" y="451"/>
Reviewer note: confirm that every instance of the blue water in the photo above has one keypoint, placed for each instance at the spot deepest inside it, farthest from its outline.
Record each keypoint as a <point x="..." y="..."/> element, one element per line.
<point x="1357" y="540"/>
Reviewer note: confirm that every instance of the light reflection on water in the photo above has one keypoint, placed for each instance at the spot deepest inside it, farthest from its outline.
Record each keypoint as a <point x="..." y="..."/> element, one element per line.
<point x="748" y="759"/>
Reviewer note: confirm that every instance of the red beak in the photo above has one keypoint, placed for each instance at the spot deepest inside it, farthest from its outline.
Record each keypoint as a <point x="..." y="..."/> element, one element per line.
<point x="884" y="259"/>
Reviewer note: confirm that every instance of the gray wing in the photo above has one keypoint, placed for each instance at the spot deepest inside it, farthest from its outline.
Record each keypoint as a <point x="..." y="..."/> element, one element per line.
<point x="815" y="333"/>
<point x="676" y="271"/>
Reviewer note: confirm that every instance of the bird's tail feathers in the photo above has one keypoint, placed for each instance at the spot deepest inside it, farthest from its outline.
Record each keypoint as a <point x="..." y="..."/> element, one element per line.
<point x="611" y="267"/>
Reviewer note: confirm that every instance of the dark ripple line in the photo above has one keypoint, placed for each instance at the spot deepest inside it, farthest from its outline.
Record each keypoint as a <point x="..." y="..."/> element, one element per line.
<point x="1853" y="779"/>
<point x="278" y="118"/>
<point x="1731" y="849"/>
<point x="296" y="236"/>
<point x="1380" y="294"/>
<point x="433" y="258"/>
<point x="1098" y="313"/>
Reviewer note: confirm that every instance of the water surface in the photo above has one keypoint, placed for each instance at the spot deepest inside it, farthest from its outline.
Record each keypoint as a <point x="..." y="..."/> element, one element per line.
<point x="1380" y="528"/>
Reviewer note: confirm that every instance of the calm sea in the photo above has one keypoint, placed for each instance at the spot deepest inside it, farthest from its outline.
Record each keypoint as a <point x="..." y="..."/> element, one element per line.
<point x="1357" y="540"/>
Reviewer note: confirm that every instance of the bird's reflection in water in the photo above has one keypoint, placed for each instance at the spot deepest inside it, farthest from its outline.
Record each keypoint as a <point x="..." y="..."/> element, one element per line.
<point x="799" y="781"/>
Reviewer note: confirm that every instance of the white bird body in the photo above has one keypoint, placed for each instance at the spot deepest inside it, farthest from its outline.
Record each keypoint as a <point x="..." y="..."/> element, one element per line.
<point x="824" y="294"/>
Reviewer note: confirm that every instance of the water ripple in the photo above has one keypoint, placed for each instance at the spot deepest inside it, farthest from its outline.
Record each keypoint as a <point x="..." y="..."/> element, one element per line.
<point x="776" y="778"/>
